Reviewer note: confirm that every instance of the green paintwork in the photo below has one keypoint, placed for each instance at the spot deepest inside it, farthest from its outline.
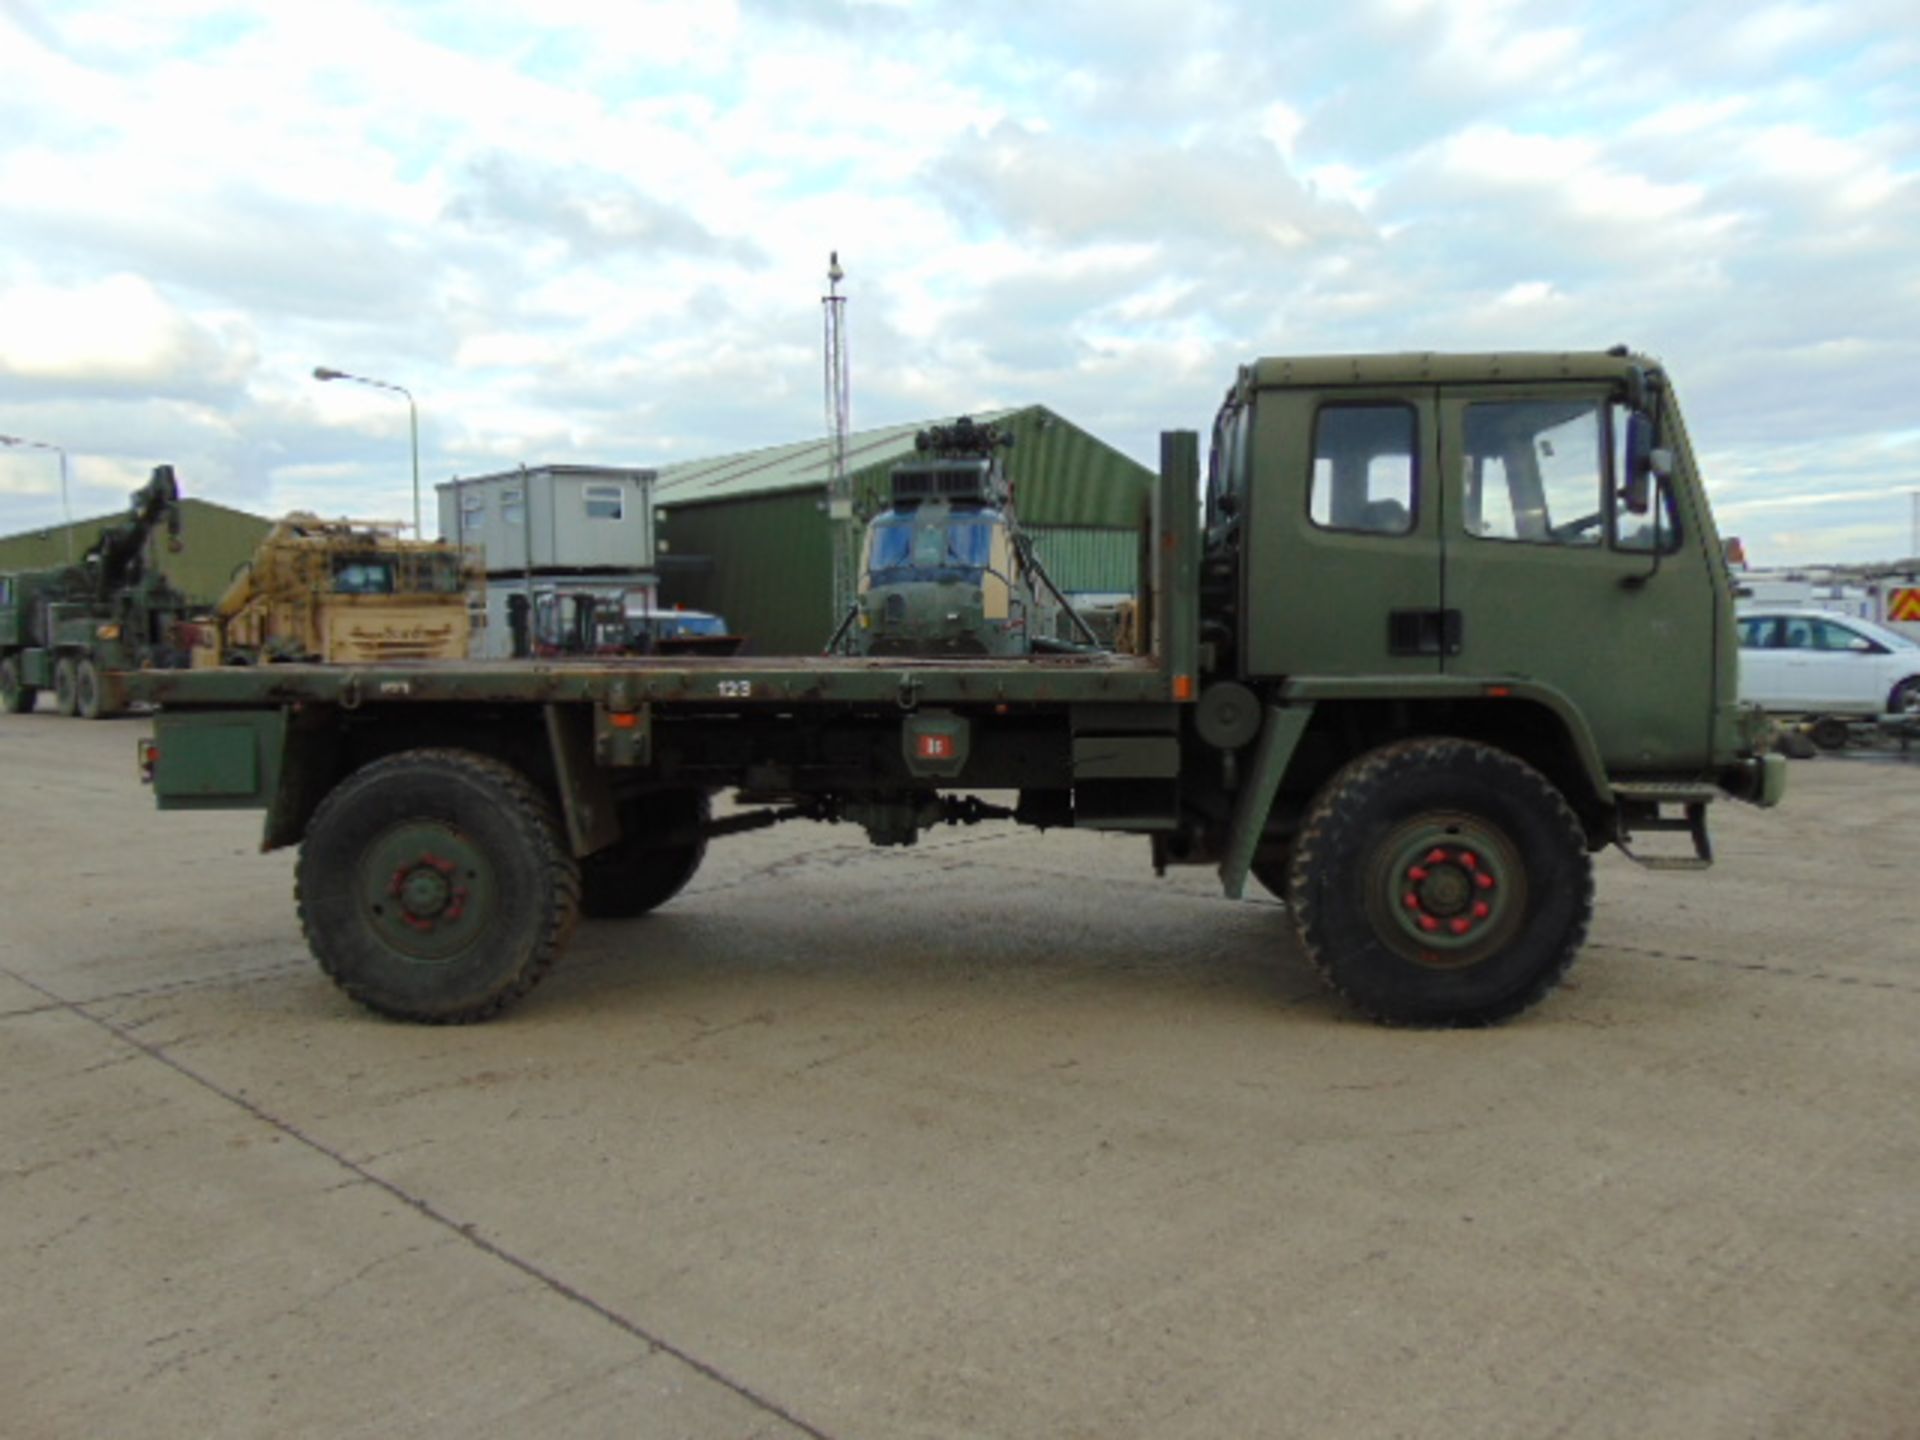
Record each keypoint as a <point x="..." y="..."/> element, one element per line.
<point x="218" y="760"/>
<point x="1400" y="688"/>
<point x="1641" y="655"/>
<point x="1612" y="670"/>
<point x="1447" y="890"/>
<point x="1279" y="734"/>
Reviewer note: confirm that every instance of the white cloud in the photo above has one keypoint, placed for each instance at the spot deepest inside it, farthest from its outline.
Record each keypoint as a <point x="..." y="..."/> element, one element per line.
<point x="599" y="232"/>
<point x="117" y="332"/>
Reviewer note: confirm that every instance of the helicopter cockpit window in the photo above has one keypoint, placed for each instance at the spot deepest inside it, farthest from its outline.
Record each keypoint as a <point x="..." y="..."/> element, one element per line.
<point x="939" y="546"/>
<point x="890" y="545"/>
<point x="969" y="543"/>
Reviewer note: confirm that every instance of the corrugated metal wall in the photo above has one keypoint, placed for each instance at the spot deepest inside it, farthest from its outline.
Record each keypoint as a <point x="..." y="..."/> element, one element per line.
<point x="769" y="568"/>
<point x="771" y="571"/>
<point x="215" y="542"/>
<point x="1083" y="561"/>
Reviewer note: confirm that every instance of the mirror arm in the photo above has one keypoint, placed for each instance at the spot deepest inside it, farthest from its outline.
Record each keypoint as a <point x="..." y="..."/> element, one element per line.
<point x="1640" y="582"/>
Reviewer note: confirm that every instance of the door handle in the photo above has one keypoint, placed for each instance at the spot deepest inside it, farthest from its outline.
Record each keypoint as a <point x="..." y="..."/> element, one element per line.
<point x="1424" y="632"/>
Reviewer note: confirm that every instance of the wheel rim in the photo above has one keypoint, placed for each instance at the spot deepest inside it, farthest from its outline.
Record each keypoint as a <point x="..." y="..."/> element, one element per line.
<point x="1446" y="890"/>
<point x="426" y="891"/>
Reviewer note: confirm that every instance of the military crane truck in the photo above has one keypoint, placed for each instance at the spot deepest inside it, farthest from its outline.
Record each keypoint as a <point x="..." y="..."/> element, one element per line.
<point x="1446" y="626"/>
<point x="79" y="629"/>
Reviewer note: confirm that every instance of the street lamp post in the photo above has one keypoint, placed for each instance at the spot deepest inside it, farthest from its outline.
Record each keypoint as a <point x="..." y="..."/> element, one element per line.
<point x="66" y="505"/>
<point x="321" y="372"/>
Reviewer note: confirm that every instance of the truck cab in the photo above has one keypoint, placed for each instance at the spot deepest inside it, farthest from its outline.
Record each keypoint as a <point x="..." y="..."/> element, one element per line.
<point x="1532" y="521"/>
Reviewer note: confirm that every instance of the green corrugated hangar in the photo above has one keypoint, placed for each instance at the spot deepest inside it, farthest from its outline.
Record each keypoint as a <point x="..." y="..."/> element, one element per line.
<point x="746" y="536"/>
<point x="215" y="541"/>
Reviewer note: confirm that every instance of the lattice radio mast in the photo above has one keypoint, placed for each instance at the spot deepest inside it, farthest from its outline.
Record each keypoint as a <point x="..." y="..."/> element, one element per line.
<point x="840" y="522"/>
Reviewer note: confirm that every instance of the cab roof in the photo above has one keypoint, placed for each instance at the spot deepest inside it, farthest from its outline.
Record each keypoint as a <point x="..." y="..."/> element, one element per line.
<point x="1432" y="367"/>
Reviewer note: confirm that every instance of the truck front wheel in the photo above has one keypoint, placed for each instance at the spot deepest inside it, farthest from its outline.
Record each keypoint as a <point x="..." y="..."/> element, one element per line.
<point x="433" y="886"/>
<point x="1441" y="882"/>
<point x="661" y="845"/>
<point x="16" y="696"/>
<point x="66" y="687"/>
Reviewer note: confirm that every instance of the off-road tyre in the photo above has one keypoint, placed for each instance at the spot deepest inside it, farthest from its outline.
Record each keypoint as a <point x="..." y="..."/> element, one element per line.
<point x="433" y="886"/>
<point x="1829" y="732"/>
<point x="87" y="701"/>
<point x="1454" y="833"/>
<point x="16" y="696"/>
<point x="639" y="873"/>
<point x="66" y="694"/>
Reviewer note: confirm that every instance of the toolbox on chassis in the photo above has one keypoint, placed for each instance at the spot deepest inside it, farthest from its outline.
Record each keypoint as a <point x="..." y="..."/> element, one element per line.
<point x="1443" y="627"/>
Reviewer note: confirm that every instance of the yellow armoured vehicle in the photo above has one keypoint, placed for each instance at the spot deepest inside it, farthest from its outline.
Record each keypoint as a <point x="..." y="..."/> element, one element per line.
<point x="342" y="592"/>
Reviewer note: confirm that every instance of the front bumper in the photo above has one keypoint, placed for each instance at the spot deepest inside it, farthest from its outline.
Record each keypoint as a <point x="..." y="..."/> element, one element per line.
<point x="1759" y="780"/>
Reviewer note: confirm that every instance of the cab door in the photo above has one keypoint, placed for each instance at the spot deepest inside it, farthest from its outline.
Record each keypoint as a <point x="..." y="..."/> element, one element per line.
<point x="1553" y="580"/>
<point x="1342" y="569"/>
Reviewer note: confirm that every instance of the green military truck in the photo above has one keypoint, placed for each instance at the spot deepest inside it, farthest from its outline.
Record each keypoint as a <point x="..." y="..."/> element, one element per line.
<point x="1444" y="627"/>
<point x="79" y="629"/>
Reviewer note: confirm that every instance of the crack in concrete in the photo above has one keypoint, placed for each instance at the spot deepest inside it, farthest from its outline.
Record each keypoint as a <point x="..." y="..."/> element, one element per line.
<point x="428" y="1210"/>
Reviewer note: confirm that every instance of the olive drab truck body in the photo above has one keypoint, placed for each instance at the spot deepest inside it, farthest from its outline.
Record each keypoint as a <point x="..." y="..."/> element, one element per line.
<point x="1440" y="628"/>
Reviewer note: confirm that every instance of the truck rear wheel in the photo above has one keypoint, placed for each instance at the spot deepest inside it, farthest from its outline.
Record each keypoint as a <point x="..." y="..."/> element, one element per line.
<point x="86" y="691"/>
<point x="16" y="696"/>
<point x="1441" y="882"/>
<point x="66" y="696"/>
<point x="433" y="886"/>
<point x="639" y="873"/>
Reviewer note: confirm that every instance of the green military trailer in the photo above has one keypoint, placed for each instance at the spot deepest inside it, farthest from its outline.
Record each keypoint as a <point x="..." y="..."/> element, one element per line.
<point x="1437" y="629"/>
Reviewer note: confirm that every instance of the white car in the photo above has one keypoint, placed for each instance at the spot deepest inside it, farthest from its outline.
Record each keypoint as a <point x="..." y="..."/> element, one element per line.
<point x="1812" y="662"/>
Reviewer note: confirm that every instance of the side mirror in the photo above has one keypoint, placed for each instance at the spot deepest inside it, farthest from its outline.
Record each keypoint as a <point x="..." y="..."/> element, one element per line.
<point x="1644" y="462"/>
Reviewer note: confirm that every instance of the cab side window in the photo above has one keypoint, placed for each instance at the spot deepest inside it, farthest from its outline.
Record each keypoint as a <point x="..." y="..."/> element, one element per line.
<point x="1535" y="471"/>
<point x="1364" y="474"/>
<point x="1227" y="480"/>
<point x="1759" y="632"/>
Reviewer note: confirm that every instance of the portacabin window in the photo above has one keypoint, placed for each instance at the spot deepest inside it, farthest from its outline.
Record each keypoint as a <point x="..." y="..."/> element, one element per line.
<point x="513" y="506"/>
<point x="605" y="502"/>
<point x="473" y="511"/>
<point x="1365" y="477"/>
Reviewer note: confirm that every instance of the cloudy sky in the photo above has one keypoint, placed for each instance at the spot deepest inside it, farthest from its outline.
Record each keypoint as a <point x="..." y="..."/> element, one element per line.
<point x="596" y="230"/>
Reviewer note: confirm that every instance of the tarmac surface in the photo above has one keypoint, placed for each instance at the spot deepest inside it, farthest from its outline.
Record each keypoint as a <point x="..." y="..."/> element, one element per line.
<point x="994" y="1136"/>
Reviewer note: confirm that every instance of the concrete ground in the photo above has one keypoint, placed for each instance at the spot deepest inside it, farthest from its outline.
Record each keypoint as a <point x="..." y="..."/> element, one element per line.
<point x="997" y="1136"/>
